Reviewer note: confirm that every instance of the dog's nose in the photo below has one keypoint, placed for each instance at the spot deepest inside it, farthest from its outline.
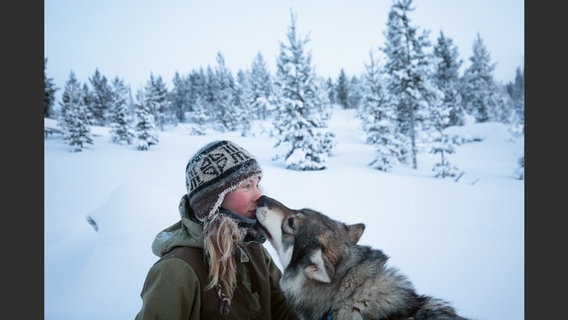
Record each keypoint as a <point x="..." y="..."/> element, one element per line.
<point x="261" y="201"/>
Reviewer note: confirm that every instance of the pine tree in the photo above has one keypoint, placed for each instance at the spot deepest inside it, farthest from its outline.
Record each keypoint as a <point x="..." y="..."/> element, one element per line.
<point x="379" y="118"/>
<point x="74" y="116"/>
<point x="49" y="90"/>
<point x="197" y="96"/>
<point x="450" y="111"/>
<point x="519" y="172"/>
<point x="120" y="117"/>
<point x="261" y="89"/>
<point x="331" y="91"/>
<point x="224" y="107"/>
<point x="146" y="132"/>
<point x="199" y="117"/>
<point x="482" y="97"/>
<point x="88" y="102"/>
<point x="443" y="144"/>
<point x="179" y="98"/>
<point x="100" y="99"/>
<point x="243" y="98"/>
<point x="342" y="90"/>
<point x="157" y="100"/>
<point x="355" y="92"/>
<point x="447" y="78"/>
<point x="516" y="91"/>
<point x="209" y="94"/>
<point x="298" y="123"/>
<point x="410" y="72"/>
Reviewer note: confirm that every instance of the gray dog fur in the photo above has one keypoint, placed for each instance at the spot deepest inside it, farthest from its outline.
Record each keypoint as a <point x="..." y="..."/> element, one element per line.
<point x="327" y="275"/>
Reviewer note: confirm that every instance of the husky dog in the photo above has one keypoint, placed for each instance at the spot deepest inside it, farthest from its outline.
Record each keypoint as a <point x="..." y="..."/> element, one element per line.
<point x="327" y="275"/>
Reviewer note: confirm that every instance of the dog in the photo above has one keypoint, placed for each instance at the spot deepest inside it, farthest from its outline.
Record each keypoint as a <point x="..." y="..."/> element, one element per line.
<point x="327" y="275"/>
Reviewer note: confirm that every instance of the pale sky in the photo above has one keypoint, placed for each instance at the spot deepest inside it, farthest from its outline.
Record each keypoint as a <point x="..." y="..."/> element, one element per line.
<point x="134" y="38"/>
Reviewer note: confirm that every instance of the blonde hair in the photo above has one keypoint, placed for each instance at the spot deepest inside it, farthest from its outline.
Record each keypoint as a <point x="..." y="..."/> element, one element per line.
<point x="220" y="236"/>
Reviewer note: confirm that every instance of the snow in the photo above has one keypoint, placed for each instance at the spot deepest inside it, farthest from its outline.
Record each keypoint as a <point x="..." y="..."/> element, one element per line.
<point x="462" y="240"/>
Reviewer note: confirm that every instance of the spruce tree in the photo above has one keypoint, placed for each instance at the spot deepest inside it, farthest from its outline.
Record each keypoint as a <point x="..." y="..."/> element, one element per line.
<point x="516" y="91"/>
<point x="100" y="99"/>
<point x="157" y="101"/>
<point x="120" y="117"/>
<point x="443" y="144"/>
<point x="447" y="78"/>
<point x="73" y="119"/>
<point x="199" y="118"/>
<point x="410" y="71"/>
<point x="224" y="96"/>
<point x="261" y="89"/>
<point x="519" y="172"/>
<point x="145" y="128"/>
<point x="342" y="90"/>
<point x="299" y="124"/>
<point x="179" y="98"/>
<point x="355" y="92"/>
<point x="197" y="95"/>
<point x="242" y="92"/>
<point x="482" y="97"/>
<point x="49" y="90"/>
<point x="379" y="118"/>
<point x="450" y="111"/>
<point x="331" y="91"/>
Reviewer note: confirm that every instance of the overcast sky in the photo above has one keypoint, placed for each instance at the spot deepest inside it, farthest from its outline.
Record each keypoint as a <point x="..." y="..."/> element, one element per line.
<point x="133" y="38"/>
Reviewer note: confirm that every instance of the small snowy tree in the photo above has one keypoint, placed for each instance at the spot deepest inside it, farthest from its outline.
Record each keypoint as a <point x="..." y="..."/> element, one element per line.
<point x="483" y="97"/>
<point x="516" y="91"/>
<point x="74" y="120"/>
<point x="519" y="172"/>
<point x="447" y="78"/>
<point x="224" y="105"/>
<point x="342" y="90"/>
<point x="157" y="101"/>
<point x="261" y="88"/>
<point x="379" y="118"/>
<point x="179" y="97"/>
<point x="199" y="117"/>
<point x="100" y="99"/>
<point x="49" y="90"/>
<point x="444" y="146"/>
<point x="120" y="117"/>
<point x="146" y="132"/>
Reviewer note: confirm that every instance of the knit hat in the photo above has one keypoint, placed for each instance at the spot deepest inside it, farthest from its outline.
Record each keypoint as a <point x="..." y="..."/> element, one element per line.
<point x="215" y="170"/>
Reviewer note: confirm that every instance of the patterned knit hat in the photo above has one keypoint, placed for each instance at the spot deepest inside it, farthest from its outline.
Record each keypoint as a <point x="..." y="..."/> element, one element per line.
<point x="215" y="170"/>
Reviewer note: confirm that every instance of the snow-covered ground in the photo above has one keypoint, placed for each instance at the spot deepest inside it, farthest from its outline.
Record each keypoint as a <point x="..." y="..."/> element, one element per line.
<point x="462" y="241"/>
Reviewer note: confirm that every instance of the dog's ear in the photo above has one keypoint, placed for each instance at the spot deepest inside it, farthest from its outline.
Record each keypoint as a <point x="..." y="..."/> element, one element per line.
<point x="317" y="269"/>
<point x="355" y="232"/>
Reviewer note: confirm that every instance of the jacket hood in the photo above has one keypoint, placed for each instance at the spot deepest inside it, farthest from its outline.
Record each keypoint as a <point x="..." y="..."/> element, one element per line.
<point x="186" y="232"/>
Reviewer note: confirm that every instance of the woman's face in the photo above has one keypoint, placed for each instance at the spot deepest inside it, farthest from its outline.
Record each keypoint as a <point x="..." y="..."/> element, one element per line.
<point x="243" y="199"/>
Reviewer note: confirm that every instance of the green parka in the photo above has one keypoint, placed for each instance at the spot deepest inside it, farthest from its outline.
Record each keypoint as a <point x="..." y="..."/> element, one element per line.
<point x="173" y="290"/>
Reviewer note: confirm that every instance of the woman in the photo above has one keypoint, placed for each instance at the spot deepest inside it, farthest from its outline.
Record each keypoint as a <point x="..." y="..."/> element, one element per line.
<point x="212" y="262"/>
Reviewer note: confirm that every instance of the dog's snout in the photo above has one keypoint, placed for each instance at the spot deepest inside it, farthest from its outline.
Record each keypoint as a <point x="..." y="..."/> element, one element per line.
<point x="261" y="202"/>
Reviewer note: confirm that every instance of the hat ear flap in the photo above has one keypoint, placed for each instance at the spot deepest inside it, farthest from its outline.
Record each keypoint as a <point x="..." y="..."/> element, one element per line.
<point x="318" y="270"/>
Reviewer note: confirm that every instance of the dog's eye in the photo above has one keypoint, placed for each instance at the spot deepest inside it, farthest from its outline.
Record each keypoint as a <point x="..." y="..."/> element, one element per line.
<point x="288" y="226"/>
<point x="290" y="223"/>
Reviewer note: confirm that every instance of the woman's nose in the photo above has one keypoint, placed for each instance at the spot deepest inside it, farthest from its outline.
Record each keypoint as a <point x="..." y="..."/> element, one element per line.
<point x="257" y="193"/>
